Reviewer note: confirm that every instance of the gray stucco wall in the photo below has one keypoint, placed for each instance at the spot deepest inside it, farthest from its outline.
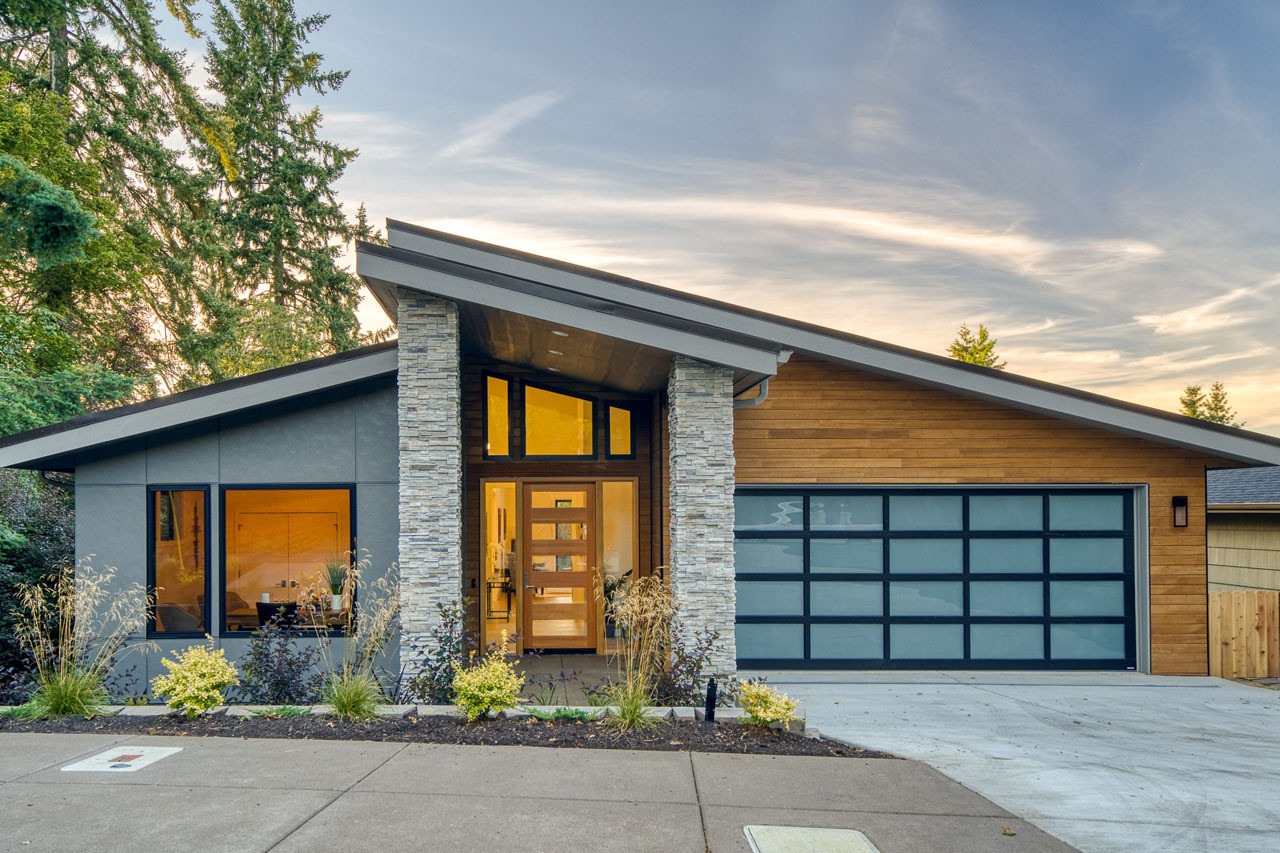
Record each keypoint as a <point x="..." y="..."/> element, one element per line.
<point x="343" y="436"/>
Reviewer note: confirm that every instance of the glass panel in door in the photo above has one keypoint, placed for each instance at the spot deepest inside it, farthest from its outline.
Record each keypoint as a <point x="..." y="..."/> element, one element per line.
<point x="559" y="549"/>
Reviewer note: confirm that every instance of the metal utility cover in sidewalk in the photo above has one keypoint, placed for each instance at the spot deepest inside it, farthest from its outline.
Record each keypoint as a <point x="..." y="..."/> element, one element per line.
<point x="806" y="839"/>
<point x="123" y="759"/>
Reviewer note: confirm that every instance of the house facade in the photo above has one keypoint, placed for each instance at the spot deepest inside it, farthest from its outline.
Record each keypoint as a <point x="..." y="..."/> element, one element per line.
<point x="1244" y="529"/>
<point x="816" y="499"/>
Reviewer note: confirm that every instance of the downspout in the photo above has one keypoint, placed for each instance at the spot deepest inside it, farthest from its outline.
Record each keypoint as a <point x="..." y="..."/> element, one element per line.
<point x="760" y="397"/>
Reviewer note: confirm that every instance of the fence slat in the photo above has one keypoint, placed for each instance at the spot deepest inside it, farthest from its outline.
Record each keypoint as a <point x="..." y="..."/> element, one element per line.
<point x="1244" y="634"/>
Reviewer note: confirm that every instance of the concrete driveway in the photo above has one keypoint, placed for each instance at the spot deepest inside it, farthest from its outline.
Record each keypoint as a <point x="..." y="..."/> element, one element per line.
<point x="1104" y="761"/>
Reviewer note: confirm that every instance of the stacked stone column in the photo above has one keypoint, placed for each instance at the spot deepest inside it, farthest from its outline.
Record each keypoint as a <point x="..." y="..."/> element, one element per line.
<point x="701" y="483"/>
<point x="430" y="422"/>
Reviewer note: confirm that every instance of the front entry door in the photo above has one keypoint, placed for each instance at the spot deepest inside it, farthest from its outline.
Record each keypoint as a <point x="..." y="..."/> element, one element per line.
<point x="559" y="564"/>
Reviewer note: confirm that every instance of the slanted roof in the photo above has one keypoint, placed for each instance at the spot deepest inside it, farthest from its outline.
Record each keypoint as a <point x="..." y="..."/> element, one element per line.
<point x="1244" y="489"/>
<point x="752" y="342"/>
<point x="53" y="447"/>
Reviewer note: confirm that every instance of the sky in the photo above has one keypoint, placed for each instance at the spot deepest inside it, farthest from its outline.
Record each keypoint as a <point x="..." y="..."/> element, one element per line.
<point x="1097" y="182"/>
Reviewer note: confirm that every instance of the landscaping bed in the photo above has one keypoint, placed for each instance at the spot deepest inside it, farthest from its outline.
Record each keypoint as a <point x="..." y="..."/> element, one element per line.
<point x="670" y="736"/>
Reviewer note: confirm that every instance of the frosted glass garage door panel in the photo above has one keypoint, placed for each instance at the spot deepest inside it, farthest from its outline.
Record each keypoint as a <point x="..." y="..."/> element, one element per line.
<point x="768" y="555"/>
<point x="768" y="512"/>
<point x="1086" y="512"/>
<point x="1006" y="555"/>
<point x="770" y="641"/>
<point x="1006" y="512"/>
<point x="846" y="598"/>
<point x="1086" y="598"/>
<point x="1086" y="555"/>
<point x="846" y="512"/>
<point x="1012" y="642"/>
<point x="924" y="642"/>
<point x="770" y="598"/>
<point x="846" y="555"/>
<point x="999" y="598"/>
<point x="926" y="555"/>
<point x="846" y="641"/>
<point x="926" y="512"/>
<point x="1087" y="642"/>
<point x="925" y="598"/>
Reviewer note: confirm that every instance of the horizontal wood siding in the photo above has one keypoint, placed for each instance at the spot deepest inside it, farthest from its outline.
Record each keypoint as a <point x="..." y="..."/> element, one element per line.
<point x="1244" y="551"/>
<point x="824" y="423"/>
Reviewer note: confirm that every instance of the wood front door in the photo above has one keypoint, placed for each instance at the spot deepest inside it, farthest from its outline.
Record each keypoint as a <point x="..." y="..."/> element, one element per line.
<point x="559" y="564"/>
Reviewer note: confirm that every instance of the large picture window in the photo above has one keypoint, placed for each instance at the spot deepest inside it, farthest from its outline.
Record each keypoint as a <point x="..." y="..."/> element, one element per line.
<point x="557" y="424"/>
<point x="287" y="554"/>
<point x="178" y="560"/>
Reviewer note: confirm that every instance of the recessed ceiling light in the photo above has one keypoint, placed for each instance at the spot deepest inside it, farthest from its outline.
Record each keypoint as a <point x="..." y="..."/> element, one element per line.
<point x="555" y="352"/>
<point x="554" y="369"/>
<point x="559" y="333"/>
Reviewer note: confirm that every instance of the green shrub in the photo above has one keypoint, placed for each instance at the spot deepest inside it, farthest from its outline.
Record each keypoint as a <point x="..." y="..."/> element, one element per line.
<point x="197" y="681"/>
<point x="282" y="711"/>
<point x="353" y="693"/>
<point x="492" y="685"/>
<point x="629" y="703"/>
<point x="764" y="706"/>
<point x="581" y="714"/>
<point x="66" y="692"/>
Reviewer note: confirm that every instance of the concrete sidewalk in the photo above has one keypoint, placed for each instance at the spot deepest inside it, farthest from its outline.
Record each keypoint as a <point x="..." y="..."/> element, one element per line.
<point x="221" y="794"/>
<point x="1105" y="761"/>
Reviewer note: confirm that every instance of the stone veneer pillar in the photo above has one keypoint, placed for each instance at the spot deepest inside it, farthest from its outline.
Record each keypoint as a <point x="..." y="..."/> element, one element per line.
<point x="429" y="405"/>
<point x="701" y="483"/>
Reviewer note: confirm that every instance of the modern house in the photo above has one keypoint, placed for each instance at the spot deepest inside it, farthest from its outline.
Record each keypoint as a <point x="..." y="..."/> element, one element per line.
<point x="1244" y="529"/>
<point x="816" y="498"/>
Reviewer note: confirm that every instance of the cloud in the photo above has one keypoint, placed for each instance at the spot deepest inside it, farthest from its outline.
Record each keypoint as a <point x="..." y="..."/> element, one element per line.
<point x="480" y="135"/>
<point x="1212" y="314"/>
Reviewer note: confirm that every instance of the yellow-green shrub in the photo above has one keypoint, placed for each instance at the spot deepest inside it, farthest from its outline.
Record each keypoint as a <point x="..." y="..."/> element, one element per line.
<point x="490" y="685"/>
<point x="764" y="706"/>
<point x="197" y="681"/>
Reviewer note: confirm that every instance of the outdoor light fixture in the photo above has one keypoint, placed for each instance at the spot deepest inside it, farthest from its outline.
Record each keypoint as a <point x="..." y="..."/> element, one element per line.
<point x="1180" y="511"/>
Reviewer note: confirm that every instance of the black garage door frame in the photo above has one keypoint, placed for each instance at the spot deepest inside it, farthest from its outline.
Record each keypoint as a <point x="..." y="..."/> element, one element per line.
<point x="806" y="619"/>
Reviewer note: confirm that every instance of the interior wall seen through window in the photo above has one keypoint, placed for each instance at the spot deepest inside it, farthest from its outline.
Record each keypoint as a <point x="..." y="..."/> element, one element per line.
<point x="178" y="543"/>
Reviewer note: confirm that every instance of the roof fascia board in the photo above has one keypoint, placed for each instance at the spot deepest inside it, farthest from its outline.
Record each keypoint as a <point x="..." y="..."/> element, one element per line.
<point x="205" y="407"/>
<point x="891" y="362"/>
<point x="1237" y="508"/>
<point x="386" y="271"/>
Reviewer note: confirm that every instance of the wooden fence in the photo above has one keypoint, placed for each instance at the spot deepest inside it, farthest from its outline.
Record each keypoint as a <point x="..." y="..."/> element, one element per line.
<point x="1244" y="634"/>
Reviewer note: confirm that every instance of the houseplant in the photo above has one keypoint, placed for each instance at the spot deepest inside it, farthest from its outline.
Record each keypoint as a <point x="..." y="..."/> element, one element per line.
<point x="336" y="572"/>
<point x="611" y="585"/>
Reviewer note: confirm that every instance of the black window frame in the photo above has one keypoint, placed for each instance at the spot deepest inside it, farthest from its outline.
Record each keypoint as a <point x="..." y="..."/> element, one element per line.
<point x="485" y="376"/>
<point x="222" y="541"/>
<point x="524" y="425"/>
<point x="152" y="521"/>
<point x="806" y="535"/>
<point x="633" y="412"/>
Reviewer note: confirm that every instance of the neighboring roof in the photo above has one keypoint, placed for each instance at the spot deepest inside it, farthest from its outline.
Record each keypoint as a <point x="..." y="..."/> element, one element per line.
<point x="462" y="269"/>
<point x="1244" y="489"/>
<point x="52" y="447"/>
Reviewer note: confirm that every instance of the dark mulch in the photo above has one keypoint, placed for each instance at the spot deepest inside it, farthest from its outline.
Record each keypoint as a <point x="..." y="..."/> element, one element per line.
<point x="670" y="736"/>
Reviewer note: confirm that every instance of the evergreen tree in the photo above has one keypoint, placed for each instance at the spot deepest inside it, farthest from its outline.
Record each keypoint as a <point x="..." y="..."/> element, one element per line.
<point x="277" y="292"/>
<point x="1213" y="406"/>
<point x="975" y="348"/>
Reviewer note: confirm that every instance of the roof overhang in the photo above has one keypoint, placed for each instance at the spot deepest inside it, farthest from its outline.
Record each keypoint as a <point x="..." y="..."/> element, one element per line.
<point x="54" y="447"/>
<point x="617" y="296"/>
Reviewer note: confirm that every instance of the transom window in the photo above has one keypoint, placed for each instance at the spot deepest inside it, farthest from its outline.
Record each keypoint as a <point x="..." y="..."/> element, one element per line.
<point x="286" y="554"/>
<point x="553" y="424"/>
<point x="558" y="424"/>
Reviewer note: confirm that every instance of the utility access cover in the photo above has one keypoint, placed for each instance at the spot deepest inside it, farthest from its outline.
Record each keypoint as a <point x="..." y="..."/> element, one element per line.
<point x="123" y="759"/>
<point x="806" y="839"/>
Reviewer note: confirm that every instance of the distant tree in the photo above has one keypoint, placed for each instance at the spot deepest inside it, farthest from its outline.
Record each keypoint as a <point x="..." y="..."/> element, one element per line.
<point x="975" y="348"/>
<point x="1195" y="403"/>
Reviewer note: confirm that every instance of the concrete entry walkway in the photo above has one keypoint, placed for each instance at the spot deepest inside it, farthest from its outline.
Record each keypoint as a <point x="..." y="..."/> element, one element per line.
<point x="222" y="794"/>
<point x="1105" y="761"/>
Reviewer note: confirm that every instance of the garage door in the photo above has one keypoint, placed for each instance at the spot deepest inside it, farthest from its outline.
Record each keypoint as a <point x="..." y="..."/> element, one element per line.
<point x="937" y="578"/>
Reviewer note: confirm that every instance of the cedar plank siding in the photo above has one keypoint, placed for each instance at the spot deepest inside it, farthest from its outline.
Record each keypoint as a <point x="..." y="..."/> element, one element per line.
<point x="476" y="467"/>
<point x="825" y="423"/>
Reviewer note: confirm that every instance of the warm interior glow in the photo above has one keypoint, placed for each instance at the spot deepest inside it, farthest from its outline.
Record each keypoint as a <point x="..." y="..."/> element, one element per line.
<point x="286" y="546"/>
<point x="557" y="424"/>
<point x="178" y="538"/>
<point x="497" y="439"/>
<point x="500" y="571"/>
<point x="620" y="432"/>
<point x="619" y="548"/>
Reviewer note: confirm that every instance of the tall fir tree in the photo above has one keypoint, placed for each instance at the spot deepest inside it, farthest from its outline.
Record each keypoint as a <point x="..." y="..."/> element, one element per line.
<point x="975" y="348"/>
<point x="1213" y="406"/>
<point x="278" y="293"/>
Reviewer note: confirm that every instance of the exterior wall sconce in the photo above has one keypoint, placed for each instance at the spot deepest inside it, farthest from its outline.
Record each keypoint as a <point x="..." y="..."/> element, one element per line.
<point x="1180" y="511"/>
